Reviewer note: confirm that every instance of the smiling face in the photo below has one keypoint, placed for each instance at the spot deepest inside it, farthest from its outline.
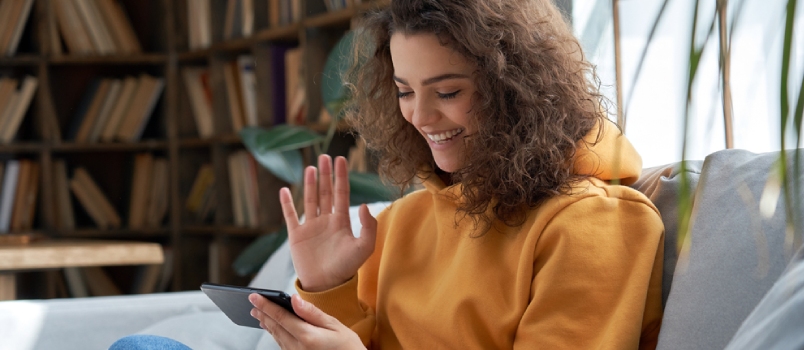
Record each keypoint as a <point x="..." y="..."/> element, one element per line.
<point x="436" y="89"/>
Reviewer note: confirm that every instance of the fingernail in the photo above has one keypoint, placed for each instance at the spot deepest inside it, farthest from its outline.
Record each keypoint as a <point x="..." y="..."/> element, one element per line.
<point x="253" y="313"/>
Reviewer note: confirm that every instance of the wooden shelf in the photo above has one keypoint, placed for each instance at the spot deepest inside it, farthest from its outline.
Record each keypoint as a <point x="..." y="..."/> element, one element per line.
<point x="286" y="33"/>
<point x="122" y="233"/>
<point x="21" y="60"/>
<point x="227" y="230"/>
<point x="147" y="145"/>
<point x="144" y="59"/>
<point x="23" y="147"/>
<point x="334" y="18"/>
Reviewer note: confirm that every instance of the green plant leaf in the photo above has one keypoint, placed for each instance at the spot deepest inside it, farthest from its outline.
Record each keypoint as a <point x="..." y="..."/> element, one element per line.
<point x="368" y="188"/>
<point x="279" y="138"/>
<point x="287" y="165"/>
<point x="277" y="149"/>
<point x="333" y="91"/>
<point x="255" y="255"/>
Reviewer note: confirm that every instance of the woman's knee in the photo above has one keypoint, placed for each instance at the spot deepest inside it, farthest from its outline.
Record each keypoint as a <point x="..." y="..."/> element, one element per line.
<point x="147" y="342"/>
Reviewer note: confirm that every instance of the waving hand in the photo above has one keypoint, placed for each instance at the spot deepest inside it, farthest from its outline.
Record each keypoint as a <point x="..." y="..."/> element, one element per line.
<point x="324" y="250"/>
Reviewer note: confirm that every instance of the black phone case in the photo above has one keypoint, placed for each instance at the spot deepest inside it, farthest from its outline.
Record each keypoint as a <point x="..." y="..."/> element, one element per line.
<point x="233" y="301"/>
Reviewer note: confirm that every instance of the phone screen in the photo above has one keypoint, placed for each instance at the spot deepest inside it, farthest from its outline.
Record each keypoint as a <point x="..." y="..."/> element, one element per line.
<point x="233" y="301"/>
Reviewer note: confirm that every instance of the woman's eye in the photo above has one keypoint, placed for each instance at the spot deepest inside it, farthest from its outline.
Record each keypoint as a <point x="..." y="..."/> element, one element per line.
<point x="403" y="94"/>
<point x="448" y="96"/>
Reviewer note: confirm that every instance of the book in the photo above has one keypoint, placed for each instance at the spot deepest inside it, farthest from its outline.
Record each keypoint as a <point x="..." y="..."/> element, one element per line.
<point x="16" y="111"/>
<point x="105" y="112"/>
<point x="82" y="108"/>
<point x="140" y="189"/>
<point x="251" y="188"/>
<point x="158" y="198"/>
<point x="201" y="106"/>
<point x="142" y="105"/>
<point x="93" y="199"/>
<point x="202" y="184"/>
<point x="274" y="13"/>
<point x="89" y="119"/>
<point x="88" y="203"/>
<point x="233" y="96"/>
<point x="235" y="188"/>
<point x="72" y="29"/>
<point x="247" y="17"/>
<point x="10" y="179"/>
<point x="248" y="89"/>
<point x="119" y="26"/>
<point x="147" y="279"/>
<point x="120" y="109"/>
<point x="54" y="42"/>
<point x="65" y="218"/>
<point x="99" y="282"/>
<point x="5" y="16"/>
<point x="167" y="270"/>
<point x="294" y="90"/>
<point x="98" y="33"/>
<point x="25" y="209"/>
<point x="7" y="27"/>
<point x="8" y="87"/>
<point x="19" y="27"/>
<point x="20" y="195"/>
<point x="75" y="282"/>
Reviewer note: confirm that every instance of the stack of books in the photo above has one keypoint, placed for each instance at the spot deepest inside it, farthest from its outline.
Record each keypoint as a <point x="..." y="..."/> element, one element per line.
<point x="20" y="179"/>
<point x="95" y="27"/>
<point x="116" y="109"/>
<point x="13" y="16"/>
<point x="14" y="104"/>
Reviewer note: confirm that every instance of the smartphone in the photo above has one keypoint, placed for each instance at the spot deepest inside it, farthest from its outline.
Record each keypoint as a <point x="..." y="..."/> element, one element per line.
<point x="233" y="301"/>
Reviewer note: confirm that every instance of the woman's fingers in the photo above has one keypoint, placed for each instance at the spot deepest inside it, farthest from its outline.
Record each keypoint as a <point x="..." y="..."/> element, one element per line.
<point x="341" y="186"/>
<point x="288" y="209"/>
<point x="325" y="184"/>
<point x="310" y="193"/>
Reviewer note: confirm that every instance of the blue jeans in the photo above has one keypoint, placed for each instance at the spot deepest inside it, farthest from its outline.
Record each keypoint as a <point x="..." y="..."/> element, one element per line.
<point x="147" y="342"/>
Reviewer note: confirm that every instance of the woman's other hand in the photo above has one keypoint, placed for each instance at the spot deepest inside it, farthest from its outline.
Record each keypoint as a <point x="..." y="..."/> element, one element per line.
<point x="320" y="331"/>
<point x="325" y="252"/>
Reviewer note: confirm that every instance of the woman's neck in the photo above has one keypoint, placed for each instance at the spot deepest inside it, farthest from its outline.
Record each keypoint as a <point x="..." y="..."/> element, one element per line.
<point x="444" y="176"/>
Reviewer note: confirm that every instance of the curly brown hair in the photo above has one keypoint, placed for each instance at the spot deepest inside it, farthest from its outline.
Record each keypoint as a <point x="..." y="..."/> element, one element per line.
<point x="538" y="98"/>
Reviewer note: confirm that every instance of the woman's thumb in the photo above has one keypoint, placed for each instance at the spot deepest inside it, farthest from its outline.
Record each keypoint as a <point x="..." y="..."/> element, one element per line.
<point x="368" y="233"/>
<point x="310" y="313"/>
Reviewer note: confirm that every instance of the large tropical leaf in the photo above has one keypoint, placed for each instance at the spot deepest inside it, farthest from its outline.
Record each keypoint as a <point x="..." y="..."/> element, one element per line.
<point x="277" y="149"/>
<point x="368" y="188"/>
<point x="256" y="254"/>
<point x="279" y="138"/>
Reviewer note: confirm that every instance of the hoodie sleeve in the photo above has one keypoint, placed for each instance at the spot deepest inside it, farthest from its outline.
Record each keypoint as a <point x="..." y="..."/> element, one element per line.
<point x="597" y="277"/>
<point x="342" y="303"/>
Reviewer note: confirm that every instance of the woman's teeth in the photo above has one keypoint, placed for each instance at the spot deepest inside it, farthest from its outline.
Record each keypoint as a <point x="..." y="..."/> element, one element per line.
<point x="444" y="136"/>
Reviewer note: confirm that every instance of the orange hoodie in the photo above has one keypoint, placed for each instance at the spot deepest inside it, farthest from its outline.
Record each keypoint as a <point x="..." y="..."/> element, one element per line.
<point x="583" y="272"/>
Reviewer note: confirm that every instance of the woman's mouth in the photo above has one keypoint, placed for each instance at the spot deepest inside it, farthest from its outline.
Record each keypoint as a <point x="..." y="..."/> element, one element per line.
<point x="444" y="137"/>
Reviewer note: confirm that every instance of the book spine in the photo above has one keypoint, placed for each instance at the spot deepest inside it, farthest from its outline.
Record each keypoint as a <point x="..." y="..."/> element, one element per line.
<point x="9" y="192"/>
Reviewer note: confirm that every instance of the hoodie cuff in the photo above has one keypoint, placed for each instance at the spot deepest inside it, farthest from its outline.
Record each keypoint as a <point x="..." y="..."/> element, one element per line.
<point x="340" y="302"/>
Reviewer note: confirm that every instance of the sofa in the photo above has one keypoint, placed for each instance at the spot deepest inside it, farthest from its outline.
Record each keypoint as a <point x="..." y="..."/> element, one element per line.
<point x="713" y="290"/>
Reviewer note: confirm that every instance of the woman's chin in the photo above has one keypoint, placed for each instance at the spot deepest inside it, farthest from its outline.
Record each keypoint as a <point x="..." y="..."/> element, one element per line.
<point x="448" y="166"/>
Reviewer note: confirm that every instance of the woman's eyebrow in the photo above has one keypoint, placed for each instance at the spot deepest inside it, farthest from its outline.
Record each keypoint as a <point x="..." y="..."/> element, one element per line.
<point x="435" y="79"/>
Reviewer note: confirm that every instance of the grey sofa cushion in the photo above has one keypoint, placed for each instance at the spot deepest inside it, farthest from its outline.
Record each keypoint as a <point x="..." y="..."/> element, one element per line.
<point x="776" y="323"/>
<point x="662" y="185"/>
<point x="735" y="256"/>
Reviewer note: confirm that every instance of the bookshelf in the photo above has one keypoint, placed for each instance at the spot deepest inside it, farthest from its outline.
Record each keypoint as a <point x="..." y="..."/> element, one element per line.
<point x="201" y="245"/>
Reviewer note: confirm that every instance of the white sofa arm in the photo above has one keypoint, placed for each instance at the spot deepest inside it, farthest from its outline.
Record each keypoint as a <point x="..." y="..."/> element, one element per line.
<point x="90" y="323"/>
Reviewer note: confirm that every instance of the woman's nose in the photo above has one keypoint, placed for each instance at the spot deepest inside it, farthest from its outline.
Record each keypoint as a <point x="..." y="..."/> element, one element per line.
<point x="424" y="113"/>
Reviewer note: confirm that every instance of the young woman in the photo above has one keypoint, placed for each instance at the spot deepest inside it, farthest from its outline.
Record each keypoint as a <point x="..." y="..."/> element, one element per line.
<point x="519" y="239"/>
